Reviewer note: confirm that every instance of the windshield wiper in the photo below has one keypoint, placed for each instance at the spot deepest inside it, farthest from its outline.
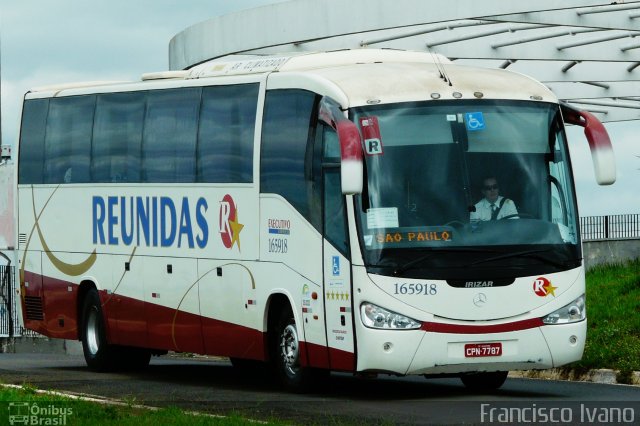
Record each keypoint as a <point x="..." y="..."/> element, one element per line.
<point x="400" y="269"/>
<point x="525" y="253"/>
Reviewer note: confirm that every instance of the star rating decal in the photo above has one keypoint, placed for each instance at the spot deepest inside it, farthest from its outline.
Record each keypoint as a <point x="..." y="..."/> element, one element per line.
<point x="334" y="295"/>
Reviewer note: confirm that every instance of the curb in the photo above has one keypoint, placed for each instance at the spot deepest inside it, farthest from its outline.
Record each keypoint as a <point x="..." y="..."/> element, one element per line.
<point x="40" y="345"/>
<point x="601" y="375"/>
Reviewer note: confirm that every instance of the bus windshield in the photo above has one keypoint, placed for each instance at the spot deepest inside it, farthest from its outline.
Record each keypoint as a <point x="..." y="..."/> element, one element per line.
<point x="456" y="187"/>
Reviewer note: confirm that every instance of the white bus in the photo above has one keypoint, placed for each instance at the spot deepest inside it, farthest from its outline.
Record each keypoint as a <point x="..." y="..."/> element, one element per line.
<point x="314" y="211"/>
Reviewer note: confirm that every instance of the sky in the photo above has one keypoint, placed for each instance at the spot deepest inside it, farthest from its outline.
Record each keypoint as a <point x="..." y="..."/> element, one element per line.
<point x="46" y="42"/>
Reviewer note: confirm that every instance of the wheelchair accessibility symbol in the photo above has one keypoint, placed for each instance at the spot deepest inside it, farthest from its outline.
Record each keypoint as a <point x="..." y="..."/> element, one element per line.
<point x="335" y="265"/>
<point x="474" y="121"/>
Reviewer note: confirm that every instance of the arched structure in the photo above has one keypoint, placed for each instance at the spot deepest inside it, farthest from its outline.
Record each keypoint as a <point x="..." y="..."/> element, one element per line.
<point x="586" y="51"/>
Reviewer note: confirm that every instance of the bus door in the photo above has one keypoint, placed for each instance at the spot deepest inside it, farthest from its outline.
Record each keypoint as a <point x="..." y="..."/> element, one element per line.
<point x="336" y="260"/>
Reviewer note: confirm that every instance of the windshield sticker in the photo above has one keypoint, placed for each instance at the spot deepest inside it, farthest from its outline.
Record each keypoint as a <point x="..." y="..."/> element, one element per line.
<point x="568" y="236"/>
<point x="382" y="218"/>
<point x="474" y="121"/>
<point x="451" y="117"/>
<point x="371" y="135"/>
<point x="368" y="240"/>
<point x="414" y="236"/>
<point x="410" y="237"/>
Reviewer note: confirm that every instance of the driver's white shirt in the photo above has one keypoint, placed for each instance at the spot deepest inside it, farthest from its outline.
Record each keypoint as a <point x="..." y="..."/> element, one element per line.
<point x="483" y="209"/>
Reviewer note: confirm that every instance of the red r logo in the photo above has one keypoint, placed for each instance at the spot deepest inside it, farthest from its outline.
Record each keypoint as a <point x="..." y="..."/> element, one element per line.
<point x="543" y="287"/>
<point x="229" y="227"/>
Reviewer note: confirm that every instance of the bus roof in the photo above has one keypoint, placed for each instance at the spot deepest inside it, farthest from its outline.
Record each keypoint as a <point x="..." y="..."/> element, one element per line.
<point x="364" y="75"/>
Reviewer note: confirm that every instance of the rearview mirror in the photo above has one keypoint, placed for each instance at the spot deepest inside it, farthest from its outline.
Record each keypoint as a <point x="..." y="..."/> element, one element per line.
<point x="604" y="163"/>
<point x="351" y="166"/>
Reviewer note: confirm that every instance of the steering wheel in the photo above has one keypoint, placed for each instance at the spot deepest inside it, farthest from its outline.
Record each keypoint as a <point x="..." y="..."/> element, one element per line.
<point x="518" y="215"/>
<point x="455" y="224"/>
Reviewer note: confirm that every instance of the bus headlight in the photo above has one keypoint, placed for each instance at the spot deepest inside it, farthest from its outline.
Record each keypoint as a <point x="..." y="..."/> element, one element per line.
<point x="573" y="312"/>
<point x="376" y="317"/>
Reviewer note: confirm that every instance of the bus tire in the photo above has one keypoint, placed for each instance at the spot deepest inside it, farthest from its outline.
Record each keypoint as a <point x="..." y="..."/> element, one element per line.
<point x="98" y="354"/>
<point x="485" y="381"/>
<point x="285" y="353"/>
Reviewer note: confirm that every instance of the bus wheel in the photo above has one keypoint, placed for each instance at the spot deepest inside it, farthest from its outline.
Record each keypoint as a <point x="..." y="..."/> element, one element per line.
<point x="285" y="349"/>
<point x="484" y="381"/>
<point x="97" y="353"/>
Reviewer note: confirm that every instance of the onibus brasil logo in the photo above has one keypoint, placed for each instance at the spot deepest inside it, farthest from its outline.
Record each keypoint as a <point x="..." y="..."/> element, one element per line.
<point x="31" y="413"/>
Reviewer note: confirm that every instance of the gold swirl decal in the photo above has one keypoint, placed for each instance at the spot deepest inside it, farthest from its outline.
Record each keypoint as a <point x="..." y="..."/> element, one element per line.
<point x="253" y="281"/>
<point x="113" y="292"/>
<point x="65" y="268"/>
<point x="26" y="247"/>
<point x="175" y="314"/>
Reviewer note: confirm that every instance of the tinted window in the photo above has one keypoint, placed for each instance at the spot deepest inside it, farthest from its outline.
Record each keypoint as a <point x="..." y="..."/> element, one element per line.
<point x="225" y="139"/>
<point x="169" y="142"/>
<point x="148" y="136"/>
<point x="335" y="225"/>
<point x="117" y="137"/>
<point x="68" y="140"/>
<point x="34" y="117"/>
<point x="287" y="150"/>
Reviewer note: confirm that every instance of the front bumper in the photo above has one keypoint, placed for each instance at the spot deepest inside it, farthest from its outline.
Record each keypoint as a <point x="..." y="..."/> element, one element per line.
<point x="423" y="352"/>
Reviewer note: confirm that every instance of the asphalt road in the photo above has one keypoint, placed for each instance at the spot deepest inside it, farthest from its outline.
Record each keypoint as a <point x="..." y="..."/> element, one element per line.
<point x="216" y="387"/>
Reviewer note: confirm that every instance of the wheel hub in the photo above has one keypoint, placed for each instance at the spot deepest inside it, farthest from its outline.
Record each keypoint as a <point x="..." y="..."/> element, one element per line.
<point x="289" y="349"/>
<point x="93" y="342"/>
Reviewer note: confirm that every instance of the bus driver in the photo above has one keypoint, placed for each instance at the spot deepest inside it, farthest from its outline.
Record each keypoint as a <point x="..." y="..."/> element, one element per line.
<point x="493" y="206"/>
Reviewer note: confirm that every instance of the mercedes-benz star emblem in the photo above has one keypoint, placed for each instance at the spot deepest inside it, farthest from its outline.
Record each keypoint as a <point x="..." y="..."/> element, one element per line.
<point x="480" y="299"/>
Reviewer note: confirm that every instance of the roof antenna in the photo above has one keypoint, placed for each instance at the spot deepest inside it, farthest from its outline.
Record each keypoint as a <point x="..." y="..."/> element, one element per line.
<point x="440" y="66"/>
<point x="437" y="64"/>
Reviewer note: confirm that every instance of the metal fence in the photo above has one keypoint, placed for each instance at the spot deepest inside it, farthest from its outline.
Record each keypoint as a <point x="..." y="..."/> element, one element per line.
<point x="10" y="323"/>
<point x="10" y="317"/>
<point x="610" y="227"/>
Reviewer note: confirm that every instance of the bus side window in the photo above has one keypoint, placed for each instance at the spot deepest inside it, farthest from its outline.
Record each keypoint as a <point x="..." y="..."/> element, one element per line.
<point x="67" y="143"/>
<point x="117" y="136"/>
<point x="287" y="138"/>
<point x="226" y="133"/>
<point x="34" y="118"/>
<point x="169" y="139"/>
<point x="335" y="220"/>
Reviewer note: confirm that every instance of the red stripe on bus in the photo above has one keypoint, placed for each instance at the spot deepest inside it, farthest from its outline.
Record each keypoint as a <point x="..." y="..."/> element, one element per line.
<point x="134" y="322"/>
<point x="437" y="327"/>
<point x="319" y="356"/>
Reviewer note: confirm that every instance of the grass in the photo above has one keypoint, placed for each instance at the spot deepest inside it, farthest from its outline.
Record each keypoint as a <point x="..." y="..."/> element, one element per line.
<point x="91" y="413"/>
<point x="613" y="314"/>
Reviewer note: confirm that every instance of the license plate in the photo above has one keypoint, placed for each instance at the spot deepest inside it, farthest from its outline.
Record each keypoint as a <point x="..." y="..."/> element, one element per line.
<point x="475" y="350"/>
